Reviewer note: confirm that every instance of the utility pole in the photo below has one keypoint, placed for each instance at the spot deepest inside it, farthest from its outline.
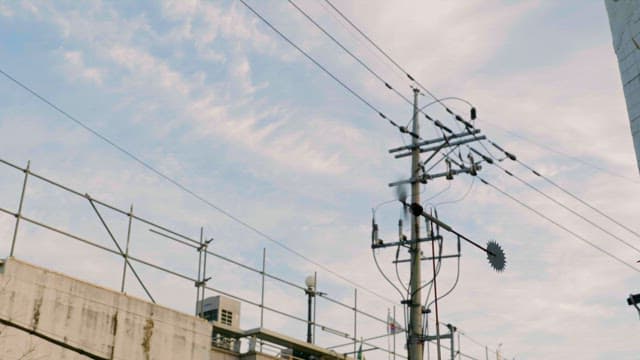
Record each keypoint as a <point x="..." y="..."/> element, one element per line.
<point x="416" y="344"/>
<point x="421" y="174"/>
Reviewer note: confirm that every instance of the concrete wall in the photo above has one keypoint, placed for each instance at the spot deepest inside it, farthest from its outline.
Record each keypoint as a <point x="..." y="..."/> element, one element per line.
<point x="105" y="323"/>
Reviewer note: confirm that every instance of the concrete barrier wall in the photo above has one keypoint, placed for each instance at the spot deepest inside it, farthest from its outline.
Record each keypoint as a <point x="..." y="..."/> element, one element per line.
<point x="104" y="323"/>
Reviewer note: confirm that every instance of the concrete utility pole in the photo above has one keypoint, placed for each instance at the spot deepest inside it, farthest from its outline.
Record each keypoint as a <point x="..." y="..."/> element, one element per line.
<point x="416" y="344"/>
<point x="449" y="140"/>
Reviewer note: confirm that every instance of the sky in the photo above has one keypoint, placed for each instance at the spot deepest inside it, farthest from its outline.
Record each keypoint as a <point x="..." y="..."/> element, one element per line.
<point x="206" y="93"/>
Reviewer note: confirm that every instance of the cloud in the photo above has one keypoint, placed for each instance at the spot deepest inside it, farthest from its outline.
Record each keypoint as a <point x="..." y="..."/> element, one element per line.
<point x="78" y="69"/>
<point x="206" y="93"/>
<point x="6" y="11"/>
<point x="149" y="70"/>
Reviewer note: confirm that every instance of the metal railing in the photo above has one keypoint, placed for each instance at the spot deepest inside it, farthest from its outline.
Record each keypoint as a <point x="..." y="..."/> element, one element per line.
<point x="200" y="245"/>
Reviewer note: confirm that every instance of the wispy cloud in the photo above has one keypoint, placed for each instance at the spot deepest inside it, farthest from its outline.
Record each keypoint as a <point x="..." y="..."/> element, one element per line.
<point x="208" y="94"/>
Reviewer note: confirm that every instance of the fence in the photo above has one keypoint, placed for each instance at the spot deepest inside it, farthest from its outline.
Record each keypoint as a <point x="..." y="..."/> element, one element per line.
<point x="201" y="245"/>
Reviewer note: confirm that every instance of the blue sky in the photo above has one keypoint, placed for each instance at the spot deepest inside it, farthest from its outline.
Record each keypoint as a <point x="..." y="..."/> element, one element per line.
<point x="206" y="93"/>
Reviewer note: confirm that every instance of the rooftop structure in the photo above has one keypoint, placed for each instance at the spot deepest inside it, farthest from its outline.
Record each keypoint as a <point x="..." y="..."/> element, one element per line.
<point x="49" y="314"/>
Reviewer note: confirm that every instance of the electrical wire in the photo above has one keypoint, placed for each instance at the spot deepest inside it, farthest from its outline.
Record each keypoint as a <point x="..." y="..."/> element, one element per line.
<point x="375" y="74"/>
<point x="184" y="188"/>
<point x="359" y="39"/>
<point x="443" y="157"/>
<point x="555" y="201"/>
<point x="576" y="197"/>
<point x="398" y="66"/>
<point x="455" y="283"/>
<point x="368" y="68"/>
<point x="388" y="86"/>
<point x="356" y="58"/>
<point x="326" y="71"/>
<point x="226" y="213"/>
<point x="398" y="272"/>
<point x="482" y="144"/>
<point x="464" y="196"/>
<point x="551" y="149"/>
<point x="512" y="157"/>
<point x="372" y="72"/>
<point x="559" y="225"/>
<point x="375" y="259"/>
<point x="440" y="101"/>
<point x="426" y="201"/>
<point x="564" y="190"/>
<point x="438" y="266"/>
<point x="430" y="283"/>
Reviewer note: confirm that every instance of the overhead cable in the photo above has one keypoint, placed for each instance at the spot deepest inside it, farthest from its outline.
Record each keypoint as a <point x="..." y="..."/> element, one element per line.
<point x="576" y="197"/>
<point x="355" y="57"/>
<point x="409" y="76"/>
<point x="402" y="129"/>
<point x="187" y="190"/>
<point x="559" y="225"/>
<point x="564" y="190"/>
<point x="557" y="202"/>
<point x="551" y="149"/>
<point x="357" y="37"/>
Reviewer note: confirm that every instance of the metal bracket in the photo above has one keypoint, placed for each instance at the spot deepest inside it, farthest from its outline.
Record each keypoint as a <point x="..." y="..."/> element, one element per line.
<point x="435" y="141"/>
<point x="428" y="258"/>
<point x="423" y="178"/>
<point x="444" y="145"/>
<point x="406" y="242"/>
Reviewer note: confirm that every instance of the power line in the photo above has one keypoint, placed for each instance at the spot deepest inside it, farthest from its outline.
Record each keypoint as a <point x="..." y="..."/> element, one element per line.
<point x="380" y="59"/>
<point x="556" y="223"/>
<point x="557" y="202"/>
<point x="557" y="186"/>
<point x="356" y="58"/>
<point x="514" y="158"/>
<point x="326" y="71"/>
<point x="377" y="76"/>
<point x="464" y="196"/>
<point x="204" y="200"/>
<point x="551" y="149"/>
<point x="371" y="41"/>
<point x="409" y="76"/>
<point x="457" y="117"/>
<point x="186" y="189"/>
<point x="547" y="179"/>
